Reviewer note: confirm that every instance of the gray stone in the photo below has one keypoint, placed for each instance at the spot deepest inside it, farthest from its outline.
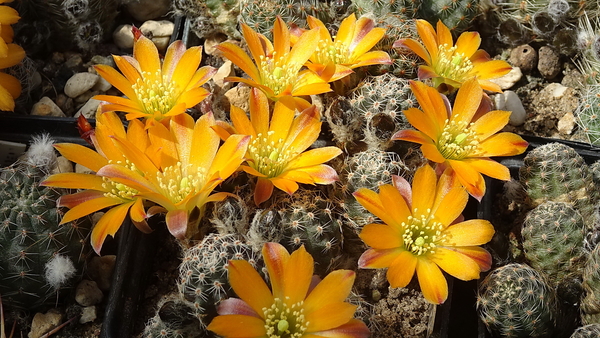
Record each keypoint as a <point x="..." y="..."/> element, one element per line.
<point x="100" y="270"/>
<point x="89" y="109"/>
<point x="525" y="57"/>
<point x="87" y="293"/>
<point x="46" y="107"/>
<point x="44" y="322"/>
<point x="510" y="101"/>
<point x="80" y="169"/>
<point x="123" y="37"/>
<point x="143" y="10"/>
<point x="80" y="83"/>
<point x="102" y="85"/>
<point x="549" y="63"/>
<point x="509" y="79"/>
<point x="153" y="28"/>
<point x="88" y="314"/>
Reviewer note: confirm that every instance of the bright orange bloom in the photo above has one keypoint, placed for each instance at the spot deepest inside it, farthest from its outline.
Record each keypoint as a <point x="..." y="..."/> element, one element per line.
<point x="462" y="138"/>
<point x="294" y="307"/>
<point x="420" y="233"/>
<point x="277" y="70"/>
<point x="335" y="58"/>
<point x="156" y="92"/>
<point x="182" y="166"/>
<point x="10" y="55"/>
<point x="276" y="154"/>
<point x="101" y="192"/>
<point x="450" y="65"/>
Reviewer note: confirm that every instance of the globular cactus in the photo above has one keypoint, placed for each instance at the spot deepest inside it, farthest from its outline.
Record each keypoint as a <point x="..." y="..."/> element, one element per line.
<point x="203" y="274"/>
<point x="378" y="8"/>
<point x="515" y="301"/>
<point x="210" y="17"/>
<point x="587" y="331"/>
<point x="230" y="216"/>
<point x="588" y="60"/>
<point x="38" y="256"/>
<point x="173" y="319"/>
<point x="590" y="302"/>
<point x="457" y="15"/>
<point x="553" y="235"/>
<point x="588" y="113"/>
<point x="555" y="172"/>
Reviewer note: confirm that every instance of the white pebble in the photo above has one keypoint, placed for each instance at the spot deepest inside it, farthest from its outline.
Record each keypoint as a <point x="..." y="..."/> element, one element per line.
<point x="123" y="37"/>
<point x="80" y="83"/>
<point x="509" y="80"/>
<point x="510" y="101"/>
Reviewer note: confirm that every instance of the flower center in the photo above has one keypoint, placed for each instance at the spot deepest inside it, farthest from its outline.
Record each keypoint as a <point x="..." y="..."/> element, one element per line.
<point x="331" y="52"/>
<point x="269" y="157"/>
<point x="277" y="73"/>
<point x="422" y="234"/>
<point x="457" y="140"/>
<point x="284" y="321"/>
<point x="118" y="190"/>
<point x="178" y="181"/>
<point x="452" y="65"/>
<point x="157" y="95"/>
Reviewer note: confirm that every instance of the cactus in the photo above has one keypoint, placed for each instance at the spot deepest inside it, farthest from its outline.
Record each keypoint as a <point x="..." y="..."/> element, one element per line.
<point x="553" y="236"/>
<point x="210" y="17"/>
<point x="587" y="331"/>
<point x="590" y="302"/>
<point x="455" y="14"/>
<point x="515" y="301"/>
<point x="379" y="8"/>
<point x="173" y="320"/>
<point x="555" y="172"/>
<point x="203" y="272"/>
<point x="38" y="256"/>
<point x="588" y="113"/>
<point x="230" y="216"/>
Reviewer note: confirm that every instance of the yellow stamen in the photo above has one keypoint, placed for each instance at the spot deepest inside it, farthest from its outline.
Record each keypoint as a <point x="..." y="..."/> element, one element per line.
<point x="269" y="157"/>
<point x="277" y="72"/>
<point x="422" y="234"/>
<point x="157" y="96"/>
<point x="452" y="65"/>
<point x="457" y="141"/>
<point x="285" y="321"/>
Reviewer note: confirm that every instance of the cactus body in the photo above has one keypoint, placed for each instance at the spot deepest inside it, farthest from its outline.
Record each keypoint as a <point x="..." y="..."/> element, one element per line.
<point x="515" y="301"/>
<point x="209" y="17"/>
<point x="456" y="15"/>
<point x="590" y="302"/>
<point x="587" y="331"/>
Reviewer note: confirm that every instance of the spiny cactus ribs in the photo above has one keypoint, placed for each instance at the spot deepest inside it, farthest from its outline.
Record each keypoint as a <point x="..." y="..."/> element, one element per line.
<point x="31" y="239"/>
<point x="590" y="302"/>
<point x="515" y="301"/>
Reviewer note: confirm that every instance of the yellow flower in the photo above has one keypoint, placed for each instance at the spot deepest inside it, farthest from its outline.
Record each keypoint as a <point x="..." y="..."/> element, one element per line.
<point x="335" y="58"/>
<point x="10" y="55"/>
<point x="152" y="91"/>
<point x="294" y="307"/>
<point x="420" y="233"/>
<point x="101" y="192"/>
<point x="277" y="70"/>
<point x="450" y="65"/>
<point x="182" y="166"/>
<point x="276" y="154"/>
<point x="463" y="138"/>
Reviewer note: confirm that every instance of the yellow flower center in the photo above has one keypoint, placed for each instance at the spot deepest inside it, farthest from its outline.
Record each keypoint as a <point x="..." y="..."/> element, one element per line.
<point x="422" y="234"/>
<point x="177" y="182"/>
<point x="277" y="73"/>
<point x="331" y="52"/>
<point x="156" y="96"/>
<point x="457" y="140"/>
<point x="452" y="65"/>
<point x="118" y="190"/>
<point x="269" y="157"/>
<point x="284" y="321"/>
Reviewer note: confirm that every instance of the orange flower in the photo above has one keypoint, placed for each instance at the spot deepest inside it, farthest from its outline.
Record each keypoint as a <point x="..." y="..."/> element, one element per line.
<point x="449" y="65"/>
<point x="295" y="307"/>
<point x="335" y="58"/>
<point x="10" y="55"/>
<point x="460" y="138"/>
<point x="276" y="154"/>
<point x="277" y="70"/>
<point x="101" y="192"/>
<point x="156" y="92"/>
<point x="420" y="233"/>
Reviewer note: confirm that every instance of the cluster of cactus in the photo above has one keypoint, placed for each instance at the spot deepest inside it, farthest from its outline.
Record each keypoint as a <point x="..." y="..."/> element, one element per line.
<point x="590" y="302"/>
<point x="49" y="24"/>
<point x="588" y="113"/>
<point x="173" y="319"/>
<point x="210" y="17"/>
<point x="38" y="256"/>
<point x="203" y="272"/>
<point x="516" y="301"/>
<point x="306" y="218"/>
<point x="587" y="331"/>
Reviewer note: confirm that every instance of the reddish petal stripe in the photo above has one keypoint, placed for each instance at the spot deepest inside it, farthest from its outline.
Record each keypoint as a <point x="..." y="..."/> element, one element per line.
<point x="469" y="233"/>
<point x="432" y="281"/>
<point x="367" y="42"/>
<point x="329" y="316"/>
<point x="259" y="111"/>
<point x="235" y="306"/>
<point x="378" y="259"/>
<point x="77" y="198"/>
<point x="402" y="269"/>
<point x="108" y="224"/>
<point x="238" y="326"/>
<point x="354" y="328"/>
<point x="172" y="57"/>
<point x="177" y="221"/>
<point x="376" y="57"/>
<point x="477" y="254"/>
<point x="412" y="136"/>
<point x="470" y="178"/>
<point x="456" y="264"/>
<point x="249" y="286"/>
<point x="262" y="191"/>
<point x="503" y="144"/>
<point x="276" y="260"/>
<point x="404" y="188"/>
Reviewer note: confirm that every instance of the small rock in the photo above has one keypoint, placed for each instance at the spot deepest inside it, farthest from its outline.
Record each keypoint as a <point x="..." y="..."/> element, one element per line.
<point x="548" y="107"/>
<point x="87" y="293"/>
<point x="153" y="28"/>
<point x="63" y="101"/>
<point x="211" y="43"/>
<point x="80" y="169"/>
<point x="102" y="85"/>
<point x="100" y="270"/>
<point x="104" y="60"/>
<point x="88" y="314"/>
<point x="46" y="107"/>
<point x="238" y="96"/>
<point x="74" y="61"/>
<point x="62" y="165"/>
<point x="524" y="57"/>
<point x="509" y="79"/>
<point x="510" y="101"/>
<point x="566" y="124"/>
<point x="42" y="323"/>
<point x="224" y="71"/>
<point x="123" y="37"/>
<point x="80" y="83"/>
<point x="161" y="42"/>
<point x="143" y="10"/>
<point x="35" y="81"/>
<point x="556" y="90"/>
<point x="549" y="63"/>
<point x="58" y="57"/>
<point x="85" y="96"/>
<point x="89" y="109"/>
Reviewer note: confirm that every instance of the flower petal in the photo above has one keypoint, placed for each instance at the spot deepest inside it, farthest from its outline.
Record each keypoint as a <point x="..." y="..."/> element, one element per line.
<point x="415" y="46"/>
<point x="108" y="224"/>
<point x="477" y="254"/>
<point x="259" y="111"/>
<point x="74" y="181"/>
<point x="393" y="201"/>
<point x="88" y="207"/>
<point x="490" y="123"/>
<point x="467" y="101"/>
<point x="11" y="84"/>
<point x="368" y="41"/>
<point x="503" y="144"/>
<point x="371" y="201"/>
<point x="378" y="259"/>
<point x="262" y="191"/>
<point x="303" y="48"/>
<point x="116" y="79"/>
<point x="470" y="178"/>
<point x="423" y="187"/>
<point x="14" y="55"/>
<point x="281" y="37"/>
<point x="8" y="15"/>
<point x="376" y="57"/>
<point x="286" y="185"/>
<point x="187" y="66"/>
<point x="381" y="236"/>
<point x="431" y="102"/>
<point x="428" y="36"/>
<point x="468" y="43"/>
<point x="451" y="205"/>
<point x="230" y="156"/>
<point x="249" y="286"/>
<point x="423" y="123"/>
<point x="469" y="233"/>
<point x="237" y="55"/>
<point x="314" y="157"/>
<point x="329" y="316"/>
<point x="177" y="221"/>
<point x="131" y="72"/>
<point x="354" y="328"/>
<point x="334" y="288"/>
<point x="239" y="326"/>
<point x="455" y="264"/>
<point x="146" y="53"/>
<point x="276" y="260"/>
<point x="190" y="98"/>
<point x="81" y="155"/>
<point x="402" y="269"/>
<point x="77" y="198"/>
<point x="491" y="69"/>
<point x="489" y="167"/>
<point x="432" y="281"/>
<point x="412" y="136"/>
<point x="204" y="138"/>
<point x="443" y="35"/>
<point x="235" y="306"/>
<point x="431" y="152"/>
